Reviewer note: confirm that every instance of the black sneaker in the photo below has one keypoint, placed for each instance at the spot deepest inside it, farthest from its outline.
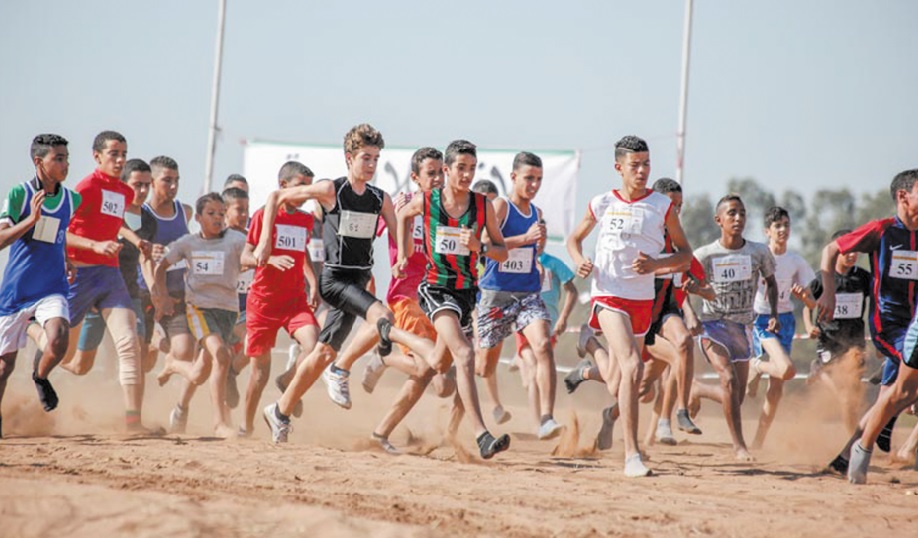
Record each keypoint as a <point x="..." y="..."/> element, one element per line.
<point x="384" y="348"/>
<point x="575" y="378"/>
<point x="45" y="392"/>
<point x="685" y="423"/>
<point x="488" y="446"/>
<point x="884" y="440"/>
<point x="839" y="465"/>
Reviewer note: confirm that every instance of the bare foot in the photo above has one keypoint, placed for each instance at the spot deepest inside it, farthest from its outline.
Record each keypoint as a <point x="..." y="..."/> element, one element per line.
<point x="694" y="405"/>
<point x="165" y="373"/>
<point x="224" y="431"/>
<point x="743" y="455"/>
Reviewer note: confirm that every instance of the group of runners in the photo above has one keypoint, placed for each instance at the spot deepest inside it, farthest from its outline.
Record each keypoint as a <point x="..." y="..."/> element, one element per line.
<point x="469" y="270"/>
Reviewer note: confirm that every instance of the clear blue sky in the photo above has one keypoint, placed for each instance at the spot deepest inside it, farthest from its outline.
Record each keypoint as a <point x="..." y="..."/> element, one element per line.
<point x="796" y="94"/>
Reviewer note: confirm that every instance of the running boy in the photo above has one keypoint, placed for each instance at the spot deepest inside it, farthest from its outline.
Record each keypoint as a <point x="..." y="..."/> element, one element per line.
<point x="734" y="266"/>
<point x="34" y="221"/>
<point x="237" y="218"/>
<point x="633" y="222"/>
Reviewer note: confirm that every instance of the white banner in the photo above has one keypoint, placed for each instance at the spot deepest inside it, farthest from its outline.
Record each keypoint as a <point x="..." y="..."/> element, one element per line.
<point x="556" y="196"/>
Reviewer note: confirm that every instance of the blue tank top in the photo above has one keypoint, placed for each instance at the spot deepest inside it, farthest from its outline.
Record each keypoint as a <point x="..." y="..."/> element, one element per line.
<point x="168" y="229"/>
<point x="519" y="272"/>
<point x="37" y="262"/>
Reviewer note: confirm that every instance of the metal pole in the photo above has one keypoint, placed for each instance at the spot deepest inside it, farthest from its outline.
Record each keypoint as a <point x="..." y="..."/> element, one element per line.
<point x="215" y="99"/>
<point x="683" y="94"/>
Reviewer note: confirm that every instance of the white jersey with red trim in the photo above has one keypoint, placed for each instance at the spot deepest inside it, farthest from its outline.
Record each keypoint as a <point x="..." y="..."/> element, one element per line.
<point x="625" y="229"/>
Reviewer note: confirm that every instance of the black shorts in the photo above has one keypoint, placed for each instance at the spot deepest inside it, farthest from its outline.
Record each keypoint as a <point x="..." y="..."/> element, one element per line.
<point x="433" y="299"/>
<point x="669" y="309"/>
<point x="344" y="290"/>
<point x="173" y="325"/>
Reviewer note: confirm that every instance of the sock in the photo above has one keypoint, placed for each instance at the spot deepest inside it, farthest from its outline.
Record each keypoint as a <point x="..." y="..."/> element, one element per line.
<point x="131" y="417"/>
<point x="884" y="439"/>
<point x="339" y="371"/>
<point x="279" y="415"/>
<point x="545" y="418"/>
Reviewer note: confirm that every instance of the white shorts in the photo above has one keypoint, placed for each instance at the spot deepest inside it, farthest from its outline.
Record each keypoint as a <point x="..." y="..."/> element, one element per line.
<point x="13" y="335"/>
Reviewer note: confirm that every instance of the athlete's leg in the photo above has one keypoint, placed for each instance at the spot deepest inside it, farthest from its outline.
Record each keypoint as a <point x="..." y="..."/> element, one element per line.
<point x="779" y="369"/>
<point x="528" y="375"/>
<point x="626" y="351"/>
<point x="729" y="393"/>
<point x="122" y="325"/>
<point x="448" y="329"/>
<point x="675" y="333"/>
<point x="220" y="356"/>
<point x="546" y="376"/>
<point x="261" y="372"/>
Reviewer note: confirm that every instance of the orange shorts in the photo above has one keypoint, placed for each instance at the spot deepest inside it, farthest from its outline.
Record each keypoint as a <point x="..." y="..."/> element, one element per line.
<point x="640" y="312"/>
<point x="409" y="317"/>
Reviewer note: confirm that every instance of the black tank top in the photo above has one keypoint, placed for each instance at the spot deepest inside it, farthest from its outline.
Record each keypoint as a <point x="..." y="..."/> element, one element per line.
<point x="349" y="228"/>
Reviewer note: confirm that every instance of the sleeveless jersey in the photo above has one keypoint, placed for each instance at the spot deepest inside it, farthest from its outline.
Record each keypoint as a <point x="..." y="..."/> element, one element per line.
<point x="168" y="229"/>
<point x="37" y="265"/>
<point x="449" y="264"/>
<point x="407" y="288"/>
<point x="349" y="228"/>
<point x="519" y="272"/>
<point x="625" y="229"/>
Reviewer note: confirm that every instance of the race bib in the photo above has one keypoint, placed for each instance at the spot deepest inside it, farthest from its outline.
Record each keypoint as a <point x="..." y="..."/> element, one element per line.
<point x="625" y="222"/>
<point x="546" y="280"/>
<point x="46" y="229"/>
<point x="357" y="225"/>
<point x="849" y="305"/>
<point x="904" y="264"/>
<point x="245" y="281"/>
<point x="317" y="249"/>
<point x="417" y="229"/>
<point x="447" y="242"/>
<point x="112" y="204"/>
<point x="733" y="268"/>
<point x="519" y="260"/>
<point x="204" y="262"/>
<point x="290" y="237"/>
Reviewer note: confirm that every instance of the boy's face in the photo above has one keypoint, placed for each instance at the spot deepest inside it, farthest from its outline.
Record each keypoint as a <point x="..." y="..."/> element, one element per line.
<point x="461" y="172"/>
<point x="237" y="213"/>
<point x="908" y="201"/>
<point x="211" y="219"/>
<point x="731" y="217"/>
<point x="112" y="157"/>
<point x="140" y="183"/>
<point x="165" y="183"/>
<point x="676" y="199"/>
<point x="430" y="175"/>
<point x="55" y="164"/>
<point x="848" y="260"/>
<point x="634" y="168"/>
<point x="778" y="231"/>
<point x="526" y="181"/>
<point x="362" y="165"/>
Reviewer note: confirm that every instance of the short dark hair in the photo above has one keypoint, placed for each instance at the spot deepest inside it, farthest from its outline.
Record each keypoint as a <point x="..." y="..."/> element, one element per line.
<point x="904" y="181"/>
<point x="629" y="144"/>
<point x="133" y="165"/>
<point x="209" y="197"/>
<point x="457" y="147"/>
<point x="291" y="169"/>
<point x="161" y="161"/>
<point x="421" y="155"/>
<point x="485" y="186"/>
<point x="232" y="178"/>
<point x="525" y="158"/>
<point x="666" y="185"/>
<point x="727" y="198"/>
<point x="774" y="214"/>
<point x="234" y="193"/>
<point x="99" y="143"/>
<point x="43" y="143"/>
<point x="839" y="233"/>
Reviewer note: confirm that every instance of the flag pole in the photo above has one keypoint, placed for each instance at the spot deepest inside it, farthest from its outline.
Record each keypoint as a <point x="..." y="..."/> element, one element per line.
<point x="683" y="94"/>
<point x="215" y="99"/>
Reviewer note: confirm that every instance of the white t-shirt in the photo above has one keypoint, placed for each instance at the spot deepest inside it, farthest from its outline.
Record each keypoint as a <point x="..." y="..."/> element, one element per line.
<point x="212" y="274"/>
<point x="626" y="228"/>
<point x="790" y="269"/>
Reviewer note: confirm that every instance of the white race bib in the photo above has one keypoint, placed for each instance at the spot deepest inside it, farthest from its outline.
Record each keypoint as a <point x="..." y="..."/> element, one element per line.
<point x="626" y="222"/>
<point x="207" y="262"/>
<point x="849" y="305"/>
<point x="317" y="249"/>
<point x="519" y="260"/>
<point x="733" y="268"/>
<point x="417" y="229"/>
<point x="46" y="229"/>
<point x="245" y="281"/>
<point x="112" y="204"/>
<point x="448" y="242"/>
<point x="546" y="280"/>
<point x="290" y="237"/>
<point x="904" y="264"/>
<point x="357" y="225"/>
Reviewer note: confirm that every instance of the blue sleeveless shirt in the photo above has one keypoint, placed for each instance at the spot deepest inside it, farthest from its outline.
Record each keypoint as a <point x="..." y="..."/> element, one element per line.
<point x="519" y="273"/>
<point x="168" y="229"/>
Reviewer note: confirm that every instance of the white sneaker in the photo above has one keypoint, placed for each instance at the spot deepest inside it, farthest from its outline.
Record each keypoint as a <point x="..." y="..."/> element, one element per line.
<point x="549" y="429"/>
<point x="664" y="434"/>
<point x="501" y="415"/>
<point x="279" y="428"/>
<point x="586" y="332"/>
<point x="178" y="420"/>
<point x="292" y="353"/>
<point x="339" y="390"/>
<point x="373" y="371"/>
<point x="384" y="444"/>
<point x="634" y="467"/>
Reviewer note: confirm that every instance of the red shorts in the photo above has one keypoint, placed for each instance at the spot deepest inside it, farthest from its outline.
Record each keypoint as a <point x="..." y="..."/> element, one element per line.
<point x="640" y="312"/>
<point x="521" y="342"/>
<point x="264" y="319"/>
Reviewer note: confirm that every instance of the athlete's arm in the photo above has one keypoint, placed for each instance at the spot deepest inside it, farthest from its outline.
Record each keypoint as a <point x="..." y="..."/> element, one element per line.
<point x="310" y="275"/>
<point x="323" y="192"/>
<point x="570" y="299"/>
<point x="403" y="235"/>
<point x="700" y="288"/>
<point x="826" y="304"/>
<point x="142" y="245"/>
<point x="771" y="289"/>
<point x="158" y="294"/>
<point x="681" y="260"/>
<point x="575" y="245"/>
<point x="691" y="318"/>
<point x="10" y="234"/>
<point x="388" y="216"/>
<point x="497" y="250"/>
<point x="189" y="212"/>
<point x="104" y="248"/>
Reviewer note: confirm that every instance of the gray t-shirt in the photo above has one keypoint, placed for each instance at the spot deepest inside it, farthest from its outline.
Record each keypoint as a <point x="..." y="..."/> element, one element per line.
<point x="734" y="275"/>
<point x="213" y="268"/>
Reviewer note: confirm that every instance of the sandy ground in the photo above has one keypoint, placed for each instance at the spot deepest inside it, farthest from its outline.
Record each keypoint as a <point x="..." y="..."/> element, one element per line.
<point x="71" y="473"/>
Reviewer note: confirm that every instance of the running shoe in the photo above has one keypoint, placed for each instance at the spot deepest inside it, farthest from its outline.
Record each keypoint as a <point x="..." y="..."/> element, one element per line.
<point x="383" y="325"/>
<point x="634" y="467"/>
<point x="604" y="439"/>
<point x="501" y="415"/>
<point x="178" y="420"/>
<point x="488" y="446"/>
<point x="685" y="423"/>
<point x="549" y="429"/>
<point x="339" y="390"/>
<point x="280" y="427"/>
<point x="45" y="392"/>
<point x="371" y="374"/>
<point x="664" y="433"/>
<point x="860" y="462"/>
<point x="575" y="378"/>
<point x="384" y="443"/>
<point x="586" y="332"/>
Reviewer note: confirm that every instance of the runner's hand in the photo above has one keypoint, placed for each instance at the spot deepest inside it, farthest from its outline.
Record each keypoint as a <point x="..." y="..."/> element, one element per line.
<point x="536" y="233"/>
<point x="400" y="201"/>
<point x="815" y="332"/>
<point x="71" y="272"/>
<point x="146" y="248"/>
<point x="693" y="325"/>
<point x="468" y="240"/>
<point x="774" y="325"/>
<point x="262" y="254"/>
<point x="281" y="262"/>
<point x="157" y="252"/>
<point x="825" y="307"/>
<point x="643" y="264"/>
<point x="107" y="248"/>
<point x="312" y="298"/>
<point x="398" y="270"/>
<point x="559" y="329"/>
<point x="584" y="268"/>
<point x="691" y="286"/>
<point x="35" y="207"/>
